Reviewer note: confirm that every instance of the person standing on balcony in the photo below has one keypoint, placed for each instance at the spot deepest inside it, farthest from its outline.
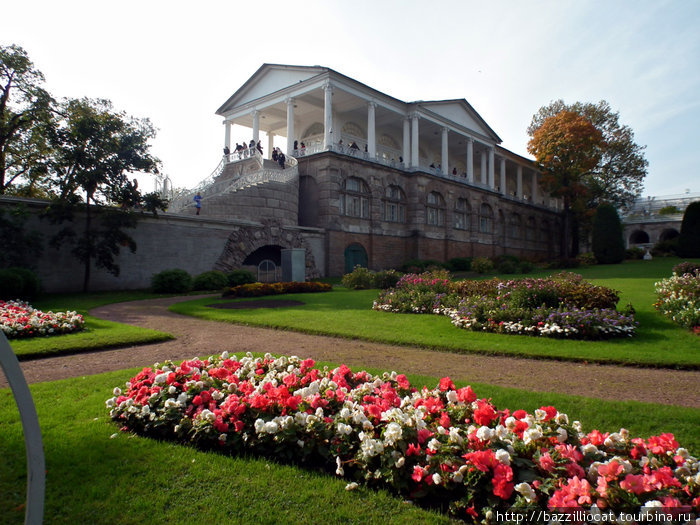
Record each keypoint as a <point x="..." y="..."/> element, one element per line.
<point x="281" y="158"/>
<point x="259" y="147"/>
<point x="198" y="202"/>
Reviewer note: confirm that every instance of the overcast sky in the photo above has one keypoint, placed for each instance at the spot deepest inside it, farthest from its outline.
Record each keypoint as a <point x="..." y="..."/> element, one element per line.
<point x="177" y="62"/>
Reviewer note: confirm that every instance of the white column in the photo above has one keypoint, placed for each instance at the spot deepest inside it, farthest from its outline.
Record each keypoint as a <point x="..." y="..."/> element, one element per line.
<point x="492" y="168"/>
<point x="256" y="125"/>
<point x="470" y="159"/>
<point x="484" y="175"/>
<point x="227" y="139"/>
<point x="406" y="141"/>
<point x="371" y="139"/>
<point x="534" y="187"/>
<point x="328" y="115"/>
<point x="414" y="141"/>
<point x="270" y="144"/>
<point x="519" y="183"/>
<point x="502" y="181"/>
<point x="445" y="159"/>
<point x="290" y="126"/>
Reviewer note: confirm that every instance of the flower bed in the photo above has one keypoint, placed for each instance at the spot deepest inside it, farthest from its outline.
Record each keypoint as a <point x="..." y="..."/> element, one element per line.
<point x="18" y="319"/>
<point x="443" y="447"/>
<point x="679" y="299"/>
<point x="260" y="289"/>
<point x="561" y="306"/>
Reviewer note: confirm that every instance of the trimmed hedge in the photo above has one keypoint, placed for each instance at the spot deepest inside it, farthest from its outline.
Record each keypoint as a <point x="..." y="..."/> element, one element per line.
<point x="260" y="289"/>
<point x="18" y="283"/>
<point x="608" y="241"/>
<point x="171" y="281"/>
<point x="689" y="239"/>
<point x="212" y="280"/>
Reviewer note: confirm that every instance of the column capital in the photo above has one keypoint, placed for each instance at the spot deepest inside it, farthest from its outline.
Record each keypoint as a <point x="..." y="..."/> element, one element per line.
<point x="470" y="140"/>
<point x="414" y="116"/>
<point x="371" y="103"/>
<point x="255" y="113"/>
<point x="445" y="129"/>
<point x="328" y="86"/>
<point x="290" y="100"/>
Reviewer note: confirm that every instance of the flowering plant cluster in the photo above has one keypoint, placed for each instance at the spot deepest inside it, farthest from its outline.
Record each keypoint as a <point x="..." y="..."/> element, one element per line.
<point x="679" y="299"/>
<point x="260" y="289"/>
<point x="561" y="306"/>
<point x="19" y="319"/>
<point x="441" y="446"/>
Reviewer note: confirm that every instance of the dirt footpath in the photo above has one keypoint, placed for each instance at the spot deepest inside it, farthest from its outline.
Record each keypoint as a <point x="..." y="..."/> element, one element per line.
<point x="196" y="337"/>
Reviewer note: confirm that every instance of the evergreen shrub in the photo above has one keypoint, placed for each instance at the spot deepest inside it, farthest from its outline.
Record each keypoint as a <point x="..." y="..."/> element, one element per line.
<point x="211" y="280"/>
<point x="240" y="276"/>
<point x="608" y="242"/>
<point x="171" y="281"/>
<point x="689" y="239"/>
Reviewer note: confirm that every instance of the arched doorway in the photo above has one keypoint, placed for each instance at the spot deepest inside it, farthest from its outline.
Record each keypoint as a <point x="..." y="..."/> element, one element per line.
<point x="355" y="255"/>
<point x="267" y="271"/>
<point x="267" y="261"/>
<point x="639" y="237"/>
<point x="668" y="234"/>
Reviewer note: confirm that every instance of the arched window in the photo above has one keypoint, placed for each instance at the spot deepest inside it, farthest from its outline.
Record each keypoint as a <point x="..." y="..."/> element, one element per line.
<point x="267" y="271"/>
<point x="486" y="219"/>
<point x="354" y="200"/>
<point x="394" y="204"/>
<point x="515" y="226"/>
<point x="530" y="229"/>
<point x="435" y="209"/>
<point x="462" y="215"/>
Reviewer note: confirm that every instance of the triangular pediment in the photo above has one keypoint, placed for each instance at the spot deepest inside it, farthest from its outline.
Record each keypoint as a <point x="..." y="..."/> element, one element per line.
<point x="460" y="112"/>
<point x="270" y="78"/>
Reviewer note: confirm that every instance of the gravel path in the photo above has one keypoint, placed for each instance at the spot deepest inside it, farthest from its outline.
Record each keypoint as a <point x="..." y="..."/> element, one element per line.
<point x="196" y="337"/>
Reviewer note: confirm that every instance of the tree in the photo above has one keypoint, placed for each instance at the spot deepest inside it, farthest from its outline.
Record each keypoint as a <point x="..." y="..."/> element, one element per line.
<point x="25" y="120"/>
<point x="618" y="176"/>
<point x="567" y="147"/>
<point x="608" y="241"/>
<point x="95" y="152"/>
<point x="689" y="238"/>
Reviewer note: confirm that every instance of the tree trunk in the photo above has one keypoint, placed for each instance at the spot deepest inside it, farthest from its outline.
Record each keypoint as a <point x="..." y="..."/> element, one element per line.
<point x="88" y="245"/>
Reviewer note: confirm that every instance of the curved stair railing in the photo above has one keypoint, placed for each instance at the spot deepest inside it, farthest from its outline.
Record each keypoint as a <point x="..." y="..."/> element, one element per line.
<point x="218" y="183"/>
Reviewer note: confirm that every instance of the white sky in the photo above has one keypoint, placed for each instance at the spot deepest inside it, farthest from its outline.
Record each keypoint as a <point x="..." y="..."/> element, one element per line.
<point x="176" y="62"/>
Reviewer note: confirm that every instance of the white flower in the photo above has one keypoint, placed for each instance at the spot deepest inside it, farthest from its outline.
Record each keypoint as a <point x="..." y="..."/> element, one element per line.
<point x="117" y="391"/>
<point x="162" y="378"/>
<point x="351" y="486"/>
<point x="172" y="389"/>
<point x="485" y="433"/>
<point x="433" y="444"/>
<point x="437" y="479"/>
<point x="527" y="491"/>
<point x="259" y="425"/>
<point x="271" y="427"/>
<point x="562" y="435"/>
<point x="457" y="477"/>
<point x="503" y="456"/>
<point x="392" y="433"/>
<point x="400" y="462"/>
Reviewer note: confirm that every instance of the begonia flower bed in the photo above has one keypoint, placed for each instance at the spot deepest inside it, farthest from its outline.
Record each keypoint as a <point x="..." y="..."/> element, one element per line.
<point x="561" y="306"/>
<point x="19" y="319"/>
<point x="441" y="447"/>
<point x="678" y="298"/>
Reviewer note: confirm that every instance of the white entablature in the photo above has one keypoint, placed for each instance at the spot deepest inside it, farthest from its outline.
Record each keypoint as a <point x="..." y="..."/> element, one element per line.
<point x="326" y="110"/>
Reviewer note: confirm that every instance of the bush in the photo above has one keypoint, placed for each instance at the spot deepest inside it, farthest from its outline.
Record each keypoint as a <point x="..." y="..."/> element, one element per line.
<point x="386" y="279"/>
<point x="586" y="259"/>
<point x="689" y="238"/>
<point x="563" y="264"/>
<point x="679" y="299"/>
<point x="686" y="267"/>
<point x="508" y="266"/>
<point x="11" y="284"/>
<point x="212" y="280"/>
<point x="608" y="242"/>
<point x="460" y="264"/>
<point x="526" y="266"/>
<point x="18" y="283"/>
<point x="238" y="277"/>
<point x="482" y="265"/>
<point x="261" y="289"/>
<point x="634" y="253"/>
<point x="171" y="281"/>
<point x="359" y="279"/>
<point x="420" y="265"/>
<point x="665" y="248"/>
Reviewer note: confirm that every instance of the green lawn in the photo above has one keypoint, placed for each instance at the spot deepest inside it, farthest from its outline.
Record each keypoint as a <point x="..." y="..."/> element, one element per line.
<point x="94" y="479"/>
<point x="345" y="313"/>
<point x="98" y="333"/>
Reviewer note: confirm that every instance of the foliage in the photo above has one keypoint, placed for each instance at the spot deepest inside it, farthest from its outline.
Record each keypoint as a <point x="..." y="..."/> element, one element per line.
<point x="482" y="265"/>
<point x="586" y="259"/>
<point x="95" y="151"/>
<point x="175" y="280"/>
<point x="19" y="246"/>
<point x="363" y="279"/>
<point x="561" y="306"/>
<point x="419" y="265"/>
<point x="669" y="210"/>
<point x="25" y="120"/>
<point x="678" y="297"/>
<point x="459" y="264"/>
<point x="240" y="276"/>
<point x="608" y="244"/>
<point x="634" y="253"/>
<point x="526" y="266"/>
<point x="667" y="248"/>
<point x="359" y="279"/>
<point x="564" y="263"/>
<point x="686" y="267"/>
<point x="443" y="446"/>
<point x="17" y="282"/>
<point x="261" y="289"/>
<point x="20" y="320"/>
<point x="508" y="266"/>
<point x="689" y="238"/>
<point x="212" y="280"/>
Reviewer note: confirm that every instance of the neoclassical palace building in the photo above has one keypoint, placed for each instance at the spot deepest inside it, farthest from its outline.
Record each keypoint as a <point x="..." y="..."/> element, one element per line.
<point x="367" y="178"/>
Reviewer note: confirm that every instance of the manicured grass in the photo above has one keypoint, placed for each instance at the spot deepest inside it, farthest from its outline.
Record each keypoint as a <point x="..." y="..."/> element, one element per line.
<point x="98" y="333"/>
<point x="94" y="479"/>
<point x="345" y="313"/>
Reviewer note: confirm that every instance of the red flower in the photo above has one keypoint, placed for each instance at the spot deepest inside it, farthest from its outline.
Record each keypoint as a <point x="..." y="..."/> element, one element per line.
<point x="446" y="384"/>
<point x="485" y="413"/>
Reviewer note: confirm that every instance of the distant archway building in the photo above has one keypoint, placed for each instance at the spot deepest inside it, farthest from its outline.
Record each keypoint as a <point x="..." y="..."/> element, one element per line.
<point x="655" y="219"/>
<point x="370" y="179"/>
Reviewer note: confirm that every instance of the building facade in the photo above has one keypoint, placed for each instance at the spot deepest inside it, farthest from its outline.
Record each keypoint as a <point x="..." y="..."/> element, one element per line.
<point x="368" y="179"/>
